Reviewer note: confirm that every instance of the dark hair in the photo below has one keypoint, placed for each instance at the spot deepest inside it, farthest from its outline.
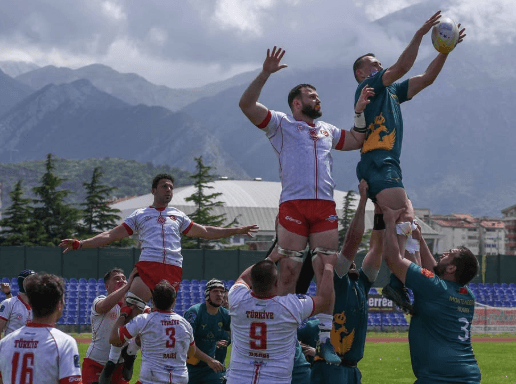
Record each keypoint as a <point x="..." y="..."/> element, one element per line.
<point x="164" y="295"/>
<point x="263" y="276"/>
<point x="44" y="291"/>
<point x="160" y="176"/>
<point x="467" y="266"/>
<point x="296" y="91"/>
<point x="108" y="275"/>
<point x="358" y="63"/>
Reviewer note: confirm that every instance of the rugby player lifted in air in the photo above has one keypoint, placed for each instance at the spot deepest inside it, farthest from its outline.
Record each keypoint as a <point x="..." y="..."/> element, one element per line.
<point x="307" y="210"/>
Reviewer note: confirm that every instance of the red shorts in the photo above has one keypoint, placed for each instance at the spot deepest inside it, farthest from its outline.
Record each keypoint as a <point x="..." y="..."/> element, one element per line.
<point x="91" y="372"/>
<point x="152" y="273"/>
<point x="308" y="216"/>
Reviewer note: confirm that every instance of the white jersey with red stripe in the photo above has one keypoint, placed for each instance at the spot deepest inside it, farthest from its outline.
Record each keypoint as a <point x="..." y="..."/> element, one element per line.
<point x="166" y="338"/>
<point x="159" y="232"/>
<point x="264" y="335"/>
<point x="304" y="154"/>
<point x="39" y="354"/>
<point x="15" y="312"/>
<point x="101" y="326"/>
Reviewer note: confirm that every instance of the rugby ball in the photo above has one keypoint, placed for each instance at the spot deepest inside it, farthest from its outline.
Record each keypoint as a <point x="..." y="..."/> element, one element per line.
<point x="445" y="35"/>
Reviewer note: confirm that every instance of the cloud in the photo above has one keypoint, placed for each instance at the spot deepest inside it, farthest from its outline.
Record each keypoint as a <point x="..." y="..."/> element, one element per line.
<point x="193" y="42"/>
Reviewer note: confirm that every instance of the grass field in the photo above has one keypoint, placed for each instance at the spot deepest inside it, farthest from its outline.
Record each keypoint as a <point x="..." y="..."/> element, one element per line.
<point x="389" y="362"/>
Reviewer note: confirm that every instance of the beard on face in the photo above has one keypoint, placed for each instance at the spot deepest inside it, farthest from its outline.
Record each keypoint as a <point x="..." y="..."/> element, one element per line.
<point x="311" y="112"/>
<point x="440" y="269"/>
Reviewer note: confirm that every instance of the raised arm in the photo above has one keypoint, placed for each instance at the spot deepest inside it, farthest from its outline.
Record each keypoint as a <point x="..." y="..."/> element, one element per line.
<point x="420" y="82"/>
<point x="391" y="250"/>
<point x="408" y="57"/>
<point x="249" y="104"/>
<point x="105" y="305"/>
<point x="356" y="136"/>
<point x="100" y="240"/>
<point x="207" y="232"/>
<point x="427" y="259"/>
<point x="325" y="289"/>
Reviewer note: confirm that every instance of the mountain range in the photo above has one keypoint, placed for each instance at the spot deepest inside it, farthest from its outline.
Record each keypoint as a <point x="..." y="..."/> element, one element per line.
<point x="458" y="149"/>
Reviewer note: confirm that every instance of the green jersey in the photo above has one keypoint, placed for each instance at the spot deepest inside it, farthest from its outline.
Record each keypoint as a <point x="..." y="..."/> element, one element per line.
<point x="439" y="333"/>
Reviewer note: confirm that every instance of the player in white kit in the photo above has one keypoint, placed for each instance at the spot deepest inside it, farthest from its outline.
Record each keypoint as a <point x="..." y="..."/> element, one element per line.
<point x="38" y="353"/>
<point x="264" y="326"/>
<point x="166" y="339"/>
<point x="307" y="210"/>
<point x="105" y="310"/>
<point x="159" y="228"/>
<point x="15" y="312"/>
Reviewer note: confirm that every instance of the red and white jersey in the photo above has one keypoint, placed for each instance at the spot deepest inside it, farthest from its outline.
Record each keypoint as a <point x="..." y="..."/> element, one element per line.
<point x="16" y="312"/>
<point x="166" y="338"/>
<point x="101" y="326"/>
<point x="264" y="335"/>
<point x="39" y="354"/>
<point x="159" y="232"/>
<point x="304" y="154"/>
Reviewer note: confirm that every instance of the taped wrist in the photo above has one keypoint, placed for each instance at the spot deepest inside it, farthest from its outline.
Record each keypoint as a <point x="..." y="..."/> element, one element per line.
<point x="360" y="123"/>
<point x="77" y="244"/>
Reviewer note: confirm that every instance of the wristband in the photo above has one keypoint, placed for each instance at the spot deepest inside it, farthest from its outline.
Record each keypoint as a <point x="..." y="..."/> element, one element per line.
<point x="76" y="244"/>
<point x="125" y="312"/>
<point x="360" y="123"/>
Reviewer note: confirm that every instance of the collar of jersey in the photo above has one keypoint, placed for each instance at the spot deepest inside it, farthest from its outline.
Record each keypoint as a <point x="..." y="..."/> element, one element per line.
<point x="24" y="303"/>
<point x="157" y="209"/>
<point x="164" y="311"/>
<point x="262" y="298"/>
<point x="39" y="325"/>
<point x="302" y="121"/>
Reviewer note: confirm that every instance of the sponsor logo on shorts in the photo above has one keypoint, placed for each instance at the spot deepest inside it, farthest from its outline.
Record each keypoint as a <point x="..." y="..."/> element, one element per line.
<point x="293" y="220"/>
<point x="427" y="273"/>
<point x="76" y="361"/>
<point x="332" y="218"/>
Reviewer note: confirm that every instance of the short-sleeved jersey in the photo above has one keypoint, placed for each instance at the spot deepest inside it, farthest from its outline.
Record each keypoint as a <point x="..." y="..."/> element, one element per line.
<point x="166" y="338"/>
<point x="349" y="328"/>
<point x="15" y="312"/>
<point x="101" y="326"/>
<point x="159" y="232"/>
<point x="383" y="120"/>
<point x="207" y="329"/>
<point x="308" y="333"/>
<point x="40" y="352"/>
<point x="304" y="154"/>
<point x="439" y="333"/>
<point x="264" y="335"/>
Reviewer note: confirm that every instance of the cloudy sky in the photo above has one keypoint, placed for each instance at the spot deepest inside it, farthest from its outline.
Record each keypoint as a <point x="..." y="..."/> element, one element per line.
<point x="188" y="43"/>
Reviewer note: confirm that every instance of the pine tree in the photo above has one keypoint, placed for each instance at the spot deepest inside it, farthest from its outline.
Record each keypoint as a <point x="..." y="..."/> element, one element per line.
<point x="16" y="225"/>
<point x="57" y="219"/>
<point x="347" y="216"/>
<point x="205" y="203"/>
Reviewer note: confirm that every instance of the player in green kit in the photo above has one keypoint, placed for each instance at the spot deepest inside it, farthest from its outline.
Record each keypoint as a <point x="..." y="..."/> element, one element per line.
<point x="380" y="155"/>
<point x="210" y="323"/>
<point x="439" y="333"/>
<point x="352" y="286"/>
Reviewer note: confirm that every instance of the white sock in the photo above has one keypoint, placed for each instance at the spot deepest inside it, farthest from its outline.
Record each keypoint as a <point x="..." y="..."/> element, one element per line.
<point x="114" y="353"/>
<point x="132" y="347"/>
<point x="325" y="325"/>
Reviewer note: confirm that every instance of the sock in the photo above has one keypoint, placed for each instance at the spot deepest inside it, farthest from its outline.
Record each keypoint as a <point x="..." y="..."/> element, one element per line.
<point x="395" y="282"/>
<point x="325" y="325"/>
<point x="132" y="347"/>
<point x="114" y="353"/>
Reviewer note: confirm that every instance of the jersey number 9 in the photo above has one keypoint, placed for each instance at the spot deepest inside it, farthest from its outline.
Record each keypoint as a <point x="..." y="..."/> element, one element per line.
<point x="258" y="335"/>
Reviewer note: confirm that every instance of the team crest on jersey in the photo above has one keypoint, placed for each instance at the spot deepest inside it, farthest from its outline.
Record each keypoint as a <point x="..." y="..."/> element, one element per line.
<point x="76" y="361"/>
<point x="161" y="220"/>
<point x="463" y="290"/>
<point x="313" y="134"/>
<point x="332" y="218"/>
<point x="325" y="132"/>
<point x="300" y="127"/>
<point x="220" y="324"/>
<point x="341" y="338"/>
<point x="173" y="217"/>
<point x="427" y="273"/>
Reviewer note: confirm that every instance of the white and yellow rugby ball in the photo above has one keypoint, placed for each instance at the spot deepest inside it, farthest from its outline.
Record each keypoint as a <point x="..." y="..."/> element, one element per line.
<point x="445" y="35"/>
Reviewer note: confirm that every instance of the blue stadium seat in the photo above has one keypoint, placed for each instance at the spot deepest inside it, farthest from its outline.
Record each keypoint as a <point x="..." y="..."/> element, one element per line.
<point x="203" y="282"/>
<point x="100" y="280"/>
<point x="83" y="280"/>
<point x="92" y="281"/>
<point x="472" y="285"/>
<point x="513" y="303"/>
<point x="504" y="285"/>
<point x="73" y="280"/>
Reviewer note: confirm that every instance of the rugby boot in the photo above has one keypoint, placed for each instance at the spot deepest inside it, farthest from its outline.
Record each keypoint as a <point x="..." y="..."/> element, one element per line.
<point x="127" y="369"/>
<point x="326" y="352"/>
<point x="107" y="373"/>
<point x="400" y="297"/>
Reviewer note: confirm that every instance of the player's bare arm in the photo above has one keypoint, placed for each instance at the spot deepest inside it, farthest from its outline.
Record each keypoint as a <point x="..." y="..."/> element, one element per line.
<point x="249" y="104"/>
<point x="105" y="238"/>
<point x="408" y="57"/>
<point x="114" y="337"/>
<point x="398" y="265"/>
<point x="212" y="363"/>
<point x="420" y="82"/>
<point x="355" y="139"/>
<point x="427" y="259"/>
<point x="323" y="301"/>
<point x="207" y="232"/>
<point x="105" y="305"/>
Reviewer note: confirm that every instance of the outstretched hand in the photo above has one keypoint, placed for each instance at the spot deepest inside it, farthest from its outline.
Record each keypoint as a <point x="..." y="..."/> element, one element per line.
<point x="249" y="230"/>
<point x="363" y="100"/>
<point x="215" y="365"/>
<point x="67" y="244"/>
<point x="431" y="22"/>
<point x="272" y="62"/>
<point x="462" y="35"/>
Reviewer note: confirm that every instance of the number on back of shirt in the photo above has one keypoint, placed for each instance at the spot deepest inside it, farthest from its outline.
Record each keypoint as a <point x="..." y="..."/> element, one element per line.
<point x="26" y="368"/>
<point x="464" y="328"/>
<point x="258" y="336"/>
<point x="171" y="332"/>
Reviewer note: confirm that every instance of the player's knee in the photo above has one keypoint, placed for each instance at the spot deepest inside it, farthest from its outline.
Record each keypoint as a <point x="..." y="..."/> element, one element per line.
<point x="132" y="299"/>
<point x="291" y="254"/>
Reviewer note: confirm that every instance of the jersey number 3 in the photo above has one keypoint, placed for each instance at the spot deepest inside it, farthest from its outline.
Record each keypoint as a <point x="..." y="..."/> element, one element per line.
<point x="258" y="335"/>
<point x="464" y="328"/>
<point x="27" y="372"/>
<point x="171" y="332"/>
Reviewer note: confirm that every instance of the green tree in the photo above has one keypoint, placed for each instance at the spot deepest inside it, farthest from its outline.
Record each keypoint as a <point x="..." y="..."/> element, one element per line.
<point x="17" y="225"/>
<point x="205" y="203"/>
<point x="57" y="219"/>
<point x="347" y="215"/>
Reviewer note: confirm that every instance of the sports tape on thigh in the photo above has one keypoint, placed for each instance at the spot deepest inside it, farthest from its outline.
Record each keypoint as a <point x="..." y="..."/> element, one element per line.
<point x="294" y="255"/>
<point x="405" y="228"/>
<point x="412" y="245"/>
<point x="132" y="299"/>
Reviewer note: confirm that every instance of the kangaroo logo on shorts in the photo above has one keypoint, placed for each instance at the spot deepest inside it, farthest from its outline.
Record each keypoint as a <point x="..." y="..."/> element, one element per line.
<point x="332" y="218"/>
